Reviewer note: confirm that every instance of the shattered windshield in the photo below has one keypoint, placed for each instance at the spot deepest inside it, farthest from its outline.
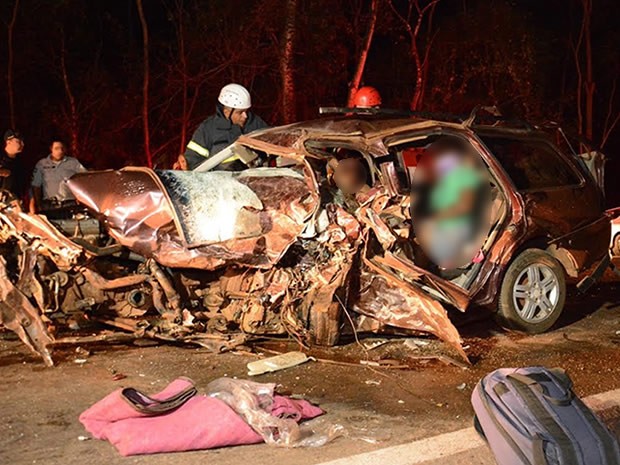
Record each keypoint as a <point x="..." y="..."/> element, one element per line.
<point x="212" y="206"/>
<point x="217" y="206"/>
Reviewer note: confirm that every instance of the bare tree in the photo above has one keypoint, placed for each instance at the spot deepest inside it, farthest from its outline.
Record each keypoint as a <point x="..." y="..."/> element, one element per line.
<point x="11" y="92"/>
<point x="589" y="82"/>
<point x="287" y="69"/>
<point x="361" y="62"/>
<point x="417" y="11"/>
<point x="184" y="74"/>
<point x="586" y="85"/>
<point x="172" y="109"/>
<point x="145" y="85"/>
<point x="73" y="112"/>
<point x="610" y="121"/>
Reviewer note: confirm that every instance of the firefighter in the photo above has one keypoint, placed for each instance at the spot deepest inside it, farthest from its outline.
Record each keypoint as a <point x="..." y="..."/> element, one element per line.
<point x="232" y="118"/>
<point x="367" y="97"/>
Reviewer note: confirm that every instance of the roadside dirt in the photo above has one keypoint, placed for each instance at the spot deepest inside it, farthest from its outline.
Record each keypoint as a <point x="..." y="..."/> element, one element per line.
<point x="378" y="406"/>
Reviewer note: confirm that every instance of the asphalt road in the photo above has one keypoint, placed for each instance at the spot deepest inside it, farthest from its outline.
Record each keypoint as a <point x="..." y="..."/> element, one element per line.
<point x="397" y="416"/>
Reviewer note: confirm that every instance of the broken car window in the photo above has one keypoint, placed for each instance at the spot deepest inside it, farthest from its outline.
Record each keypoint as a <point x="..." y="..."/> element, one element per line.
<point x="531" y="164"/>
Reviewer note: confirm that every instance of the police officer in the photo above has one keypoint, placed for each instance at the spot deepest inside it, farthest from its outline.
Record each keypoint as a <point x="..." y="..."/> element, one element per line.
<point x="49" y="178"/>
<point x="232" y="118"/>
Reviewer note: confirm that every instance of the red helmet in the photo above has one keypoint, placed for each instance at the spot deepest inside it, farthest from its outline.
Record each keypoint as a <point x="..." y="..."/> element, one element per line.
<point x="367" y="97"/>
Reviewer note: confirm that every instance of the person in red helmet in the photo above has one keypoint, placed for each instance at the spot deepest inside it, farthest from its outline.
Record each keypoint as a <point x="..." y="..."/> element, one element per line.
<point x="367" y="97"/>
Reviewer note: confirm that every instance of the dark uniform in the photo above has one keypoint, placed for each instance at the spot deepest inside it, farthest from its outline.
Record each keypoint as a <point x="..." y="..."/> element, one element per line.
<point x="215" y="134"/>
<point x="16" y="181"/>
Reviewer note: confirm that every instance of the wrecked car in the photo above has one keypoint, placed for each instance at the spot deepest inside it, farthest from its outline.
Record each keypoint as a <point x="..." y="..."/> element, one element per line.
<point x="615" y="233"/>
<point x="214" y="258"/>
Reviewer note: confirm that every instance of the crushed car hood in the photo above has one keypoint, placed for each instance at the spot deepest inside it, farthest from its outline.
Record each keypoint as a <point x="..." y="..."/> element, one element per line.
<point x="201" y="220"/>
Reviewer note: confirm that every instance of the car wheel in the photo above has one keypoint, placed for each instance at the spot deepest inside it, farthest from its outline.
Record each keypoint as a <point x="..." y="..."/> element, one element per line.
<point x="533" y="292"/>
<point x="615" y="249"/>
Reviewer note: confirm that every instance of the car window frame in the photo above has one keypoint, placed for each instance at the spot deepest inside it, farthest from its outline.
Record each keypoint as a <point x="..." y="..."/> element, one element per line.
<point x="497" y="175"/>
<point x="491" y="165"/>
<point x="524" y="139"/>
<point x="339" y="143"/>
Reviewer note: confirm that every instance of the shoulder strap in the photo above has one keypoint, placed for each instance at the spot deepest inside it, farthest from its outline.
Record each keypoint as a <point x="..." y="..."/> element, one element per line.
<point x="548" y="422"/>
<point x="533" y="382"/>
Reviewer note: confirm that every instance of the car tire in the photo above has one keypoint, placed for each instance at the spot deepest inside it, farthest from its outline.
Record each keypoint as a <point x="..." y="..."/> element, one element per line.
<point x="533" y="292"/>
<point x="615" y="249"/>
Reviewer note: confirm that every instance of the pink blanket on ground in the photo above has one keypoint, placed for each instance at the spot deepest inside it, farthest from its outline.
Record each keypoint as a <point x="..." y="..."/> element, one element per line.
<point x="201" y="423"/>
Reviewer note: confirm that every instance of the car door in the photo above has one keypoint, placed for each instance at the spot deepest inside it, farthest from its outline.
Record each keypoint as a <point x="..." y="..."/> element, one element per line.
<point x="561" y="204"/>
<point x="395" y="168"/>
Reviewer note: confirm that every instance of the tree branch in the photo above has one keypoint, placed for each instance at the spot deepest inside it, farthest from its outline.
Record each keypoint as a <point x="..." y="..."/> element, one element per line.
<point x="361" y="64"/>
<point x="145" y="85"/>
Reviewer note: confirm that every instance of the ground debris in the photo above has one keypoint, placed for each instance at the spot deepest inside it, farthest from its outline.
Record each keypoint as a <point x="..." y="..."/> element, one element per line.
<point x="415" y="343"/>
<point x="385" y="363"/>
<point x="370" y="344"/>
<point x="277" y="363"/>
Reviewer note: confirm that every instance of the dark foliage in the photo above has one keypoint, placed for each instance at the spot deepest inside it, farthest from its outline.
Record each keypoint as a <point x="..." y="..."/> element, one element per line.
<point x="77" y="67"/>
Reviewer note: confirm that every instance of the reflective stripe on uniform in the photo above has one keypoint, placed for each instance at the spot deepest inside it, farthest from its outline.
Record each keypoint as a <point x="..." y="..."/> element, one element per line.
<point x="231" y="159"/>
<point x="199" y="149"/>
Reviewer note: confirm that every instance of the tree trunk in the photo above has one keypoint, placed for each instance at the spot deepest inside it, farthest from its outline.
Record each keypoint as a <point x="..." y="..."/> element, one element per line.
<point x="589" y="82"/>
<point x="420" y="64"/>
<point x="287" y="63"/>
<point x="73" y="114"/>
<point x="183" y="65"/>
<point x="361" y="63"/>
<point x="145" y="85"/>
<point x="420" y="57"/>
<point x="10" y="29"/>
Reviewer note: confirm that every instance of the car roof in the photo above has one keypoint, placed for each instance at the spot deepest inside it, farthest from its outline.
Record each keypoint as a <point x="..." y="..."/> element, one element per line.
<point x="367" y="128"/>
<point x="358" y="126"/>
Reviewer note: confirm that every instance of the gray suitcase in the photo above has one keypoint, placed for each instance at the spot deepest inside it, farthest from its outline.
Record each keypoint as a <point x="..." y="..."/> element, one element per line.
<point x="530" y="416"/>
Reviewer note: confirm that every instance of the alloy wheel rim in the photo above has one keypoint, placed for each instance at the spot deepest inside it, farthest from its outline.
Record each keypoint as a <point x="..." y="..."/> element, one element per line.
<point x="536" y="293"/>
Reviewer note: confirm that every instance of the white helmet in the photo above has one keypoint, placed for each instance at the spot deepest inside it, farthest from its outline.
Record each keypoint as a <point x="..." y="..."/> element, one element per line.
<point x="235" y="96"/>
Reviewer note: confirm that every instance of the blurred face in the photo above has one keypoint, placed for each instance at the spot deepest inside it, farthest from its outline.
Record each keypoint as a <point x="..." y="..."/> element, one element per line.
<point x="14" y="146"/>
<point x="350" y="176"/>
<point x="446" y="162"/>
<point x="238" y="117"/>
<point x="58" y="151"/>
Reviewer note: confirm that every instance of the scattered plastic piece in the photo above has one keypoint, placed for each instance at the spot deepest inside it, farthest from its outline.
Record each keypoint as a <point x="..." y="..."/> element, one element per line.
<point x="415" y="343"/>
<point x="256" y="403"/>
<point x="370" y="344"/>
<point x="277" y="363"/>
